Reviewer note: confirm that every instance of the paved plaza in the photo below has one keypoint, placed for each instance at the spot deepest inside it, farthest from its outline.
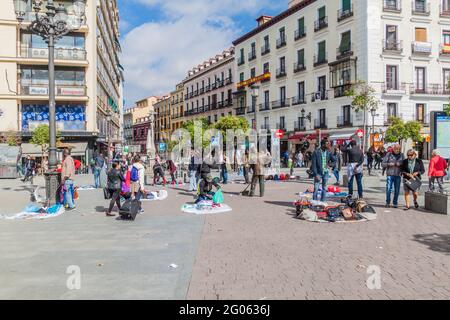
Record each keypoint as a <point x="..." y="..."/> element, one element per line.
<point x="257" y="251"/>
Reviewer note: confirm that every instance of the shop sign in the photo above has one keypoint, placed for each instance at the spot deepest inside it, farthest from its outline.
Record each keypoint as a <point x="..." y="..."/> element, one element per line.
<point x="253" y="80"/>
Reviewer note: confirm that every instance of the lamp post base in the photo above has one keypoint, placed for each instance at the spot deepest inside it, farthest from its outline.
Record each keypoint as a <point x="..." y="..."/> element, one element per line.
<point x="52" y="182"/>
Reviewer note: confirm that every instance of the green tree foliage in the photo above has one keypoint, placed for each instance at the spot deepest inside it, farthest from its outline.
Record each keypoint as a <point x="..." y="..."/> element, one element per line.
<point x="231" y="123"/>
<point x="447" y="109"/>
<point x="190" y="125"/>
<point x="363" y="96"/>
<point x="399" y="131"/>
<point x="41" y="137"/>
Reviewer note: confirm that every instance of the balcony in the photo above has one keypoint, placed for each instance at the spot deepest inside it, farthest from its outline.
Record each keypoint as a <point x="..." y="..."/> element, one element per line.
<point x="432" y="89"/>
<point x="201" y="91"/>
<point x="75" y="90"/>
<point x="281" y="42"/>
<point x="186" y="96"/>
<point x="281" y="126"/>
<point x="208" y="88"/>
<point x="299" y="126"/>
<point x="299" y="67"/>
<point x="344" y="122"/>
<point x="228" y="81"/>
<point x="195" y="93"/>
<point x="344" y="51"/>
<point x="392" y="6"/>
<point x="341" y="91"/>
<point x="220" y="83"/>
<point x="422" y="48"/>
<point x="240" y="61"/>
<point x="344" y="14"/>
<point x="393" y="46"/>
<point x="300" y="34"/>
<point x="420" y="8"/>
<point x="76" y="54"/>
<point x="320" y="59"/>
<point x="319" y="96"/>
<point x="213" y="106"/>
<point x="240" y="111"/>
<point x="214" y="86"/>
<point x="191" y="95"/>
<point x="250" y="109"/>
<point x="393" y="88"/>
<point x="298" y="100"/>
<point x="281" y="72"/>
<point x="264" y="106"/>
<point x="265" y="49"/>
<point x="280" y="104"/>
<point x="251" y="55"/>
<point x="320" y="123"/>
<point x="444" y="11"/>
<point x="320" y="24"/>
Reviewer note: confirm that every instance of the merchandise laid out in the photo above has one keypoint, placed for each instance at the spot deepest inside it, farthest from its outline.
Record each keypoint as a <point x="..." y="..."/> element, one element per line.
<point x="35" y="212"/>
<point x="347" y="210"/>
<point x="155" y="195"/>
<point x="280" y="177"/>
<point x="86" y="188"/>
<point x="205" y="207"/>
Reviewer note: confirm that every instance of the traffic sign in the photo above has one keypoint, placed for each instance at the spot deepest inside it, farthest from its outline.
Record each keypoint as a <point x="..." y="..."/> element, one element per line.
<point x="279" y="134"/>
<point x="360" y="133"/>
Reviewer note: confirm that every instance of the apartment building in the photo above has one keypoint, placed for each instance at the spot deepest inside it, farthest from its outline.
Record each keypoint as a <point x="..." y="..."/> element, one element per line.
<point x="88" y="73"/>
<point x="163" y="127"/>
<point x="306" y="58"/>
<point x="140" y="131"/>
<point x="177" y="107"/>
<point x="209" y="88"/>
<point x="143" y="108"/>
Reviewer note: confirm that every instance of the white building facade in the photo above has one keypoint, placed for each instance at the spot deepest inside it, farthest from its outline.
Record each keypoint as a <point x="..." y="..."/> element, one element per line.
<point x="316" y="49"/>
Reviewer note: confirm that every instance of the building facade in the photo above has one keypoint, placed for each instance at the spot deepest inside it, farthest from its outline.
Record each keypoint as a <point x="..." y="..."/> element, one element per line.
<point x="209" y="88"/>
<point x="88" y="74"/>
<point x="177" y="107"/>
<point x="308" y="56"/>
<point x="140" y="133"/>
<point x="163" y="126"/>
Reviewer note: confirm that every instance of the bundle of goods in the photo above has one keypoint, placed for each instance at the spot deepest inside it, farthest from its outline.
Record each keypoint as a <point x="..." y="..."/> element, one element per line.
<point x="155" y="195"/>
<point x="348" y="210"/>
<point x="36" y="212"/>
<point x="205" y="207"/>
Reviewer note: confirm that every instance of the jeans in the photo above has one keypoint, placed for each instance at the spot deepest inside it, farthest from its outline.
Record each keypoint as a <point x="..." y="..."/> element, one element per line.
<point x="68" y="184"/>
<point x="97" y="177"/>
<point x="224" y="175"/>
<point x="393" y="182"/>
<point x="192" y="180"/>
<point x="336" y="175"/>
<point x="358" y="183"/>
<point x="323" y="182"/>
<point x="256" y="179"/>
<point x="115" y="199"/>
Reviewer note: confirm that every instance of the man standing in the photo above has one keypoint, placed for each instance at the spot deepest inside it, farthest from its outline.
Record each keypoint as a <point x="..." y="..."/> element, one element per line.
<point x="392" y="163"/>
<point x="321" y="161"/>
<point x="194" y="166"/>
<point x="98" y="165"/>
<point x="68" y="175"/>
<point x="257" y="161"/>
<point x="30" y="167"/>
<point x="137" y="176"/>
<point x="337" y="159"/>
<point x="355" y="158"/>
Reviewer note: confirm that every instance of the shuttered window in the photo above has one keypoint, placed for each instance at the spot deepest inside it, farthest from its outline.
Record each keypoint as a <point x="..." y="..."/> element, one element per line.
<point x="346" y="5"/>
<point x="322" y="13"/>
<point x="421" y="34"/>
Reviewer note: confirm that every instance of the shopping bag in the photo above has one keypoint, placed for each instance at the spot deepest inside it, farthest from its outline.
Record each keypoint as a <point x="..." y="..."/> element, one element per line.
<point x="218" y="197"/>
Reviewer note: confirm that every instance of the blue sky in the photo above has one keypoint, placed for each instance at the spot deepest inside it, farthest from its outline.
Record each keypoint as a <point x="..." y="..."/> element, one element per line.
<point x="163" y="39"/>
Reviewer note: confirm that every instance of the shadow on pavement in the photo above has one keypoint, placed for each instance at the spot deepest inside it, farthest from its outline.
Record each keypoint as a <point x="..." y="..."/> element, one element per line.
<point x="435" y="242"/>
<point x="100" y="209"/>
<point x="281" y="203"/>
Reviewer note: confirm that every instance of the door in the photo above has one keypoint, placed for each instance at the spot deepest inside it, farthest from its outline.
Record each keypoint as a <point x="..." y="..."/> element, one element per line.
<point x="391" y="78"/>
<point x="391" y="37"/>
<point x="321" y="51"/>
<point x="322" y="86"/>
<point x="322" y="117"/>
<point x="392" y="110"/>
<point x="301" y="57"/>
<point x="420" y="80"/>
<point x="266" y="99"/>
<point x="283" y="95"/>
<point x="420" y="112"/>
<point x="346" y="114"/>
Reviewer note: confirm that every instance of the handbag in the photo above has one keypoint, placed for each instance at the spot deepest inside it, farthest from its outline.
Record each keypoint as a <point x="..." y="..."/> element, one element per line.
<point x="106" y="193"/>
<point x="413" y="184"/>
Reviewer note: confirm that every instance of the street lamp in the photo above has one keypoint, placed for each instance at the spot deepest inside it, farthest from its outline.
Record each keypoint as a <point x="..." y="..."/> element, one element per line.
<point x="255" y="93"/>
<point x="51" y="25"/>
<point x="373" y="112"/>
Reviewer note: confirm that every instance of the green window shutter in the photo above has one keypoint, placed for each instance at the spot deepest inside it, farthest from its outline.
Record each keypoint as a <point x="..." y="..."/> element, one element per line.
<point x="301" y="25"/>
<point x="301" y="56"/>
<point x="322" y="13"/>
<point x="345" y="41"/>
<point x="322" y="47"/>
<point x="346" y="5"/>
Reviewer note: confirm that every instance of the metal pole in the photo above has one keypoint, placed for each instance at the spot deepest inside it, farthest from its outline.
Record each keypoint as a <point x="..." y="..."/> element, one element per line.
<point x="52" y="160"/>
<point x="373" y="130"/>
<point x="364" y="142"/>
<point x="256" y="120"/>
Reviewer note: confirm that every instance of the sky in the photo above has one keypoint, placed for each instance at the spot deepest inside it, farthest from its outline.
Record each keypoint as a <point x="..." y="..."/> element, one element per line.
<point x="163" y="39"/>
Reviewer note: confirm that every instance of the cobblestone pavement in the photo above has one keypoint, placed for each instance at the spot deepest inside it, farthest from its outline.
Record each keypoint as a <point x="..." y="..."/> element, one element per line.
<point x="259" y="251"/>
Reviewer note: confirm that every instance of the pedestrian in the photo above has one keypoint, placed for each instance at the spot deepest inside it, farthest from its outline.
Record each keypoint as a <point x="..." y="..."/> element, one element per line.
<point x="68" y="175"/>
<point x="321" y="161"/>
<point x="172" y="170"/>
<point x="137" y="175"/>
<point x="355" y="163"/>
<point x="448" y="170"/>
<point x="337" y="160"/>
<point x="257" y="161"/>
<point x="205" y="188"/>
<point x="205" y="167"/>
<point x="412" y="169"/>
<point x="392" y="163"/>
<point x="224" y="170"/>
<point x="115" y="179"/>
<point x="193" y="168"/>
<point x="246" y="167"/>
<point x="370" y="158"/>
<point x="158" y="172"/>
<point x="436" y="171"/>
<point x="300" y="159"/>
<point x="30" y="168"/>
<point x="99" y="162"/>
<point x="378" y="157"/>
<point x="291" y="165"/>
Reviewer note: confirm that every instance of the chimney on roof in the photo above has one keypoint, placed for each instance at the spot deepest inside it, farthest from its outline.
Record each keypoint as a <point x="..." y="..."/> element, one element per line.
<point x="263" y="19"/>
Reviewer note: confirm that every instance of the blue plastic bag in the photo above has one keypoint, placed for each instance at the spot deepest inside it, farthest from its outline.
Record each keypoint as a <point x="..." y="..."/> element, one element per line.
<point x="218" y="197"/>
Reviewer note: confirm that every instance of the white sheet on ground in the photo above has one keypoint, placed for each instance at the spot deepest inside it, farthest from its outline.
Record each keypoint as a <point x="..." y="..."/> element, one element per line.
<point x="156" y="195"/>
<point x="192" y="208"/>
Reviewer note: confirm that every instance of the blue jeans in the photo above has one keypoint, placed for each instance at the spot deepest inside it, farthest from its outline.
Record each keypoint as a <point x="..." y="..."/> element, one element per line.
<point x="224" y="175"/>
<point x="323" y="182"/>
<point x="336" y="175"/>
<point x="358" y="183"/>
<point x="192" y="180"/>
<point x="68" y="184"/>
<point x="393" y="182"/>
<point x="97" y="177"/>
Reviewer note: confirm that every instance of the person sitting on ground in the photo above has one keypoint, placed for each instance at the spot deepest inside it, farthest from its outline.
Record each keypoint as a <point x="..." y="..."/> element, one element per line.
<point x="115" y="179"/>
<point x="205" y="188"/>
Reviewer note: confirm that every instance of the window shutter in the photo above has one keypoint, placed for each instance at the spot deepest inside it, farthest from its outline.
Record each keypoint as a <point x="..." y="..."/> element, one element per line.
<point x="322" y="13"/>
<point x="421" y="34"/>
<point x="346" y="5"/>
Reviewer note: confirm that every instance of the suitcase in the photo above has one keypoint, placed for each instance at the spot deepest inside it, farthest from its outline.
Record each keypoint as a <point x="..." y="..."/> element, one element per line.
<point x="130" y="209"/>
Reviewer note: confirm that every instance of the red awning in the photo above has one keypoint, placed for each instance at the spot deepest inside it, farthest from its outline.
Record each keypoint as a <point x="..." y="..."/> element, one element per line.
<point x="315" y="136"/>
<point x="297" y="136"/>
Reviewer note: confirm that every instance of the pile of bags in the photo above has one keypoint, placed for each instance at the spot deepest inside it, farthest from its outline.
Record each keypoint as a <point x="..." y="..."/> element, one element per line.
<point x="332" y="192"/>
<point x="348" y="210"/>
<point x="280" y="177"/>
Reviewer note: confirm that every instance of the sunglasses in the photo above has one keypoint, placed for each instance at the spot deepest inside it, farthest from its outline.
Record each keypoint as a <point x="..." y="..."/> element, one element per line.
<point x="410" y="155"/>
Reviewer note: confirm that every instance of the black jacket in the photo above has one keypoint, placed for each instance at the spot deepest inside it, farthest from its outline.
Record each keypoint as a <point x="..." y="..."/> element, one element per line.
<point x="419" y="167"/>
<point x="193" y="166"/>
<point x="205" y="187"/>
<point x="115" y="179"/>
<point x="316" y="165"/>
<point x="355" y="155"/>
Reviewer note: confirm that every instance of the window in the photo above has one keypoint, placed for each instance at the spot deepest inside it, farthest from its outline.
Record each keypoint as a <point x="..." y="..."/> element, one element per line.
<point x="321" y="12"/>
<point x="346" y="113"/>
<point x="420" y="112"/>
<point x="392" y="77"/>
<point x="215" y="118"/>
<point x="283" y="94"/>
<point x="282" y="63"/>
<point x="322" y="86"/>
<point x="266" y="42"/>
<point x="253" y="48"/>
<point x="301" y="91"/>
<point x="252" y="72"/>
<point x="301" y="57"/>
<point x="266" y="68"/>
<point x="346" y="5"/>
<point x="346" y="39"/>
<point x="446" y="79"/>
<point x="391" y="110"/>
<point x="241" y="77"/>
<point x="301" y="25"/>
<point x="446" y="37"/>
<point x="282" y="122"/>
<point x="321" y="52"/>
<point x="322" y="118"/>
<point x="242" y="54"/>
<point x="230" y="92"/>
<point x="283" y="34"/>
<point x="391" y="37"/>
<point x="420" y="79"/>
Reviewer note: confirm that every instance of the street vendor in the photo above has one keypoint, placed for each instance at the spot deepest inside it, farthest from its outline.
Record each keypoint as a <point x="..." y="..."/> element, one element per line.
<point x="205" y="188"/>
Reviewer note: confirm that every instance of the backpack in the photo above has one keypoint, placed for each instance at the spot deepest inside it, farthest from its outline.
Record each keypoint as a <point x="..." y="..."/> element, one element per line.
<point x="134" y="174"/>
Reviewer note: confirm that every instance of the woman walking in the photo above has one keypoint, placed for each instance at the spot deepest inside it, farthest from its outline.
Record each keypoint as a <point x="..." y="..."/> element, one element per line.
<point x="115" y="179"/>
<point x="412" y="169"/>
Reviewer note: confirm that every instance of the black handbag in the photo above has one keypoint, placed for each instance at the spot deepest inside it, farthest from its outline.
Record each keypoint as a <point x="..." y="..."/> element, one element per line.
<point x="106" y="193"/>
<point x="413" y="184"/>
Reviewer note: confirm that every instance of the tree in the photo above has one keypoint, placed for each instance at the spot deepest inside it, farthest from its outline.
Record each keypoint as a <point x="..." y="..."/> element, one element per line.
<point x="447" y="109"/>
<point x="41" y="137"/>
<point x="190" y="125"/>
<point x="231" y="123"/>
<point x="363" y="99"/>
<point x="399" y="131"/>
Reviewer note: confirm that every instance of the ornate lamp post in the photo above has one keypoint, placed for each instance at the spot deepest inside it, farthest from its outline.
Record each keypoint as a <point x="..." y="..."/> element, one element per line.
<point x="255" y="93"/>
<point x="51" y="25"/>
<point x="373" y="112"/>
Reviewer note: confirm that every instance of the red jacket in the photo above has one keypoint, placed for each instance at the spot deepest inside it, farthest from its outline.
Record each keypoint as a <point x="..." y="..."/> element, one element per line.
<point x="437" y="167"/>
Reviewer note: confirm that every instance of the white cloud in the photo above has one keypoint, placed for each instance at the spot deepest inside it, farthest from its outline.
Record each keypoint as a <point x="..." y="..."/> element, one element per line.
<point x="158" y="54"/>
